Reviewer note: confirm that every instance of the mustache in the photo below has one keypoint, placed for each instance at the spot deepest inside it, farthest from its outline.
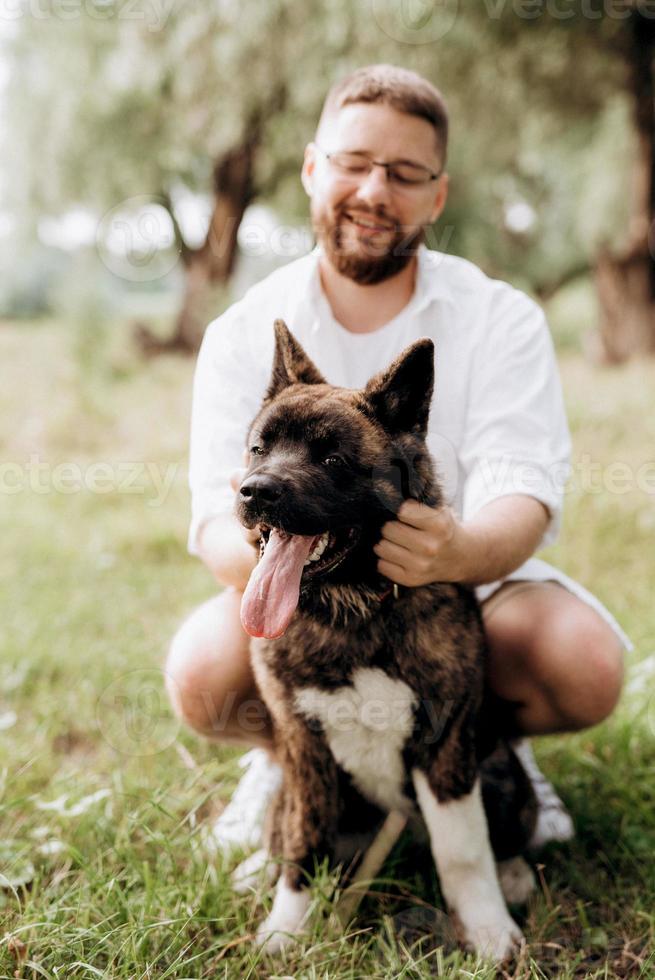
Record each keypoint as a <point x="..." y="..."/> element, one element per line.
<point x="363" y="209"/>
<point x="374" y="260"/>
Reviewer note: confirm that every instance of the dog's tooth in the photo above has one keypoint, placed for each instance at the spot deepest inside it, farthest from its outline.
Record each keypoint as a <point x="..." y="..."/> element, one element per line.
<point x="319" y="549"/>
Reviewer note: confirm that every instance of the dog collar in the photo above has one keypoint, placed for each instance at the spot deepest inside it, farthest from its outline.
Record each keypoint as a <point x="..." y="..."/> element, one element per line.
<point x="393" y="589"/>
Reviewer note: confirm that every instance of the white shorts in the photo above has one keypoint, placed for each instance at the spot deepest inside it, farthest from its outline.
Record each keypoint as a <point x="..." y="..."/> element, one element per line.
<point x="536" y="570"/>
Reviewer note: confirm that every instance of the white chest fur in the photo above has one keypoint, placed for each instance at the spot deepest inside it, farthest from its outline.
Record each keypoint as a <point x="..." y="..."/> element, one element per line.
<point x="366" y="724"/>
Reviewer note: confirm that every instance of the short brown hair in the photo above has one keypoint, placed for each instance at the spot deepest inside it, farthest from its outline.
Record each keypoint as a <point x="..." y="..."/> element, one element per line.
<point x="399" y="88"/>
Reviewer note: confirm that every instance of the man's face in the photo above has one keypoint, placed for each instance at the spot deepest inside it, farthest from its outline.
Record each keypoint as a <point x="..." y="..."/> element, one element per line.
<point x="368" y="224"/>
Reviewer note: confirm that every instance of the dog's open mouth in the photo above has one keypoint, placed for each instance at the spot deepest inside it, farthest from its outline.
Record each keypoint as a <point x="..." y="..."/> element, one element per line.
<point x="285" y="562"/>
<point x="328" y="549"/>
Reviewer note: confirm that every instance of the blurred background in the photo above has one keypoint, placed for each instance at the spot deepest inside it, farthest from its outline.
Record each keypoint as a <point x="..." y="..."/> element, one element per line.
<point x="149" y="173"/>
<point x="151" y="151"/>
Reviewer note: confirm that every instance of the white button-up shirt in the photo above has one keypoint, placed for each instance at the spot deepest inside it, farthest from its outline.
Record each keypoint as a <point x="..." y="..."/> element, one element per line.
<point x="497" y="421"/>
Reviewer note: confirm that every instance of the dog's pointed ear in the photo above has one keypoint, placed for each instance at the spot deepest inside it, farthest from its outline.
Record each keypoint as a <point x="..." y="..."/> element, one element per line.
<point x="401" y="395"/>
<point x="291" y="365"/>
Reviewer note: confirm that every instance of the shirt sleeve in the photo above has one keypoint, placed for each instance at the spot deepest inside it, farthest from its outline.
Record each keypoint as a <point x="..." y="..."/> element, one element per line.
<point x="227" y="392"/>
<point x="516" y="435"/>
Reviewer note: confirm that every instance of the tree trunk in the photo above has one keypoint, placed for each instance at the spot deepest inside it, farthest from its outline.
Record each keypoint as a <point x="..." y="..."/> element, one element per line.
<point x="211" y="265"/>
<point x="627" y="321"/>
<point x="625" y="281"/>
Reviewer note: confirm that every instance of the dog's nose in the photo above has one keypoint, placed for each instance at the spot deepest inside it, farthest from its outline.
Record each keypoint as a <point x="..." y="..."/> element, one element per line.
<point x="262" y="488"/>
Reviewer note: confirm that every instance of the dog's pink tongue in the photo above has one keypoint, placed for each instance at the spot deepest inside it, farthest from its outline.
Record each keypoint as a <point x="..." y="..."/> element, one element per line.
<point x="273" y="589"/>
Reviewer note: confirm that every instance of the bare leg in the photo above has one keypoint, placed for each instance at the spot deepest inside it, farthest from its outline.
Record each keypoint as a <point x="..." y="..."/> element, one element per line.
<point x="554" y="657"/>
<point x="209" y="677"/>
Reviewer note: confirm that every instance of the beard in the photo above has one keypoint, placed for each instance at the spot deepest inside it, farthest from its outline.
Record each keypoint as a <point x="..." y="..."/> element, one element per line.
<point x="366" y="263"/>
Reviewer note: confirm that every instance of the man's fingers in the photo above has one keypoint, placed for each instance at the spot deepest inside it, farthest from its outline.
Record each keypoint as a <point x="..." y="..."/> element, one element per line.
<point x="404" y="535"/>
<point x="393" y="552"/>
<point x="393" y="572"/>
<point x="251" y="534"/>
<point x="236" y="478"/>
<point x="417" y="515"/>
<point x="425" y="518"/>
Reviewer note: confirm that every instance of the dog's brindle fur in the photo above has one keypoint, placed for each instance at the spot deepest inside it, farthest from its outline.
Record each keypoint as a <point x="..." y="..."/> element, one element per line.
<point x="344" y="460"/>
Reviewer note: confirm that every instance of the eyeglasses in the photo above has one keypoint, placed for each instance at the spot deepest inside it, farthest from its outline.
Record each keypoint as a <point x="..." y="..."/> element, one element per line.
<point x="401" y="174"/>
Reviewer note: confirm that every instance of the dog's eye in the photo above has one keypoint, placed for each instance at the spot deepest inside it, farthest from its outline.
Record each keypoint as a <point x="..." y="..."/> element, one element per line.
<point x="256" y="451"/>
<point x="333" y="461"/>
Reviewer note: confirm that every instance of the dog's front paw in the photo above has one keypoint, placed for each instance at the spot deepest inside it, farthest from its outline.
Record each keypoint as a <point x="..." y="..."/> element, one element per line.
<point x="274" y="941"/>
<point x="257" y="870"/>
<point x="497" y="940"/>
<point x="286" y="920"/>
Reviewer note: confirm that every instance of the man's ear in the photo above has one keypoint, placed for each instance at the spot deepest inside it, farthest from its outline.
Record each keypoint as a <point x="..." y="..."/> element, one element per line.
<point x="401" y="395"/>
<point x="440" y="198"/>
<point x="291" y="365"/>
<point x="308" y="167"/>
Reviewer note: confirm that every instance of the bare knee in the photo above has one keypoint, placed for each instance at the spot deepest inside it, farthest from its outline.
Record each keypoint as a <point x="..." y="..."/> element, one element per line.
<point x="208" y="675"/>
<point x="575" y="662"/>
<point x="589" y="662"/>
<point x="555" y="656"/>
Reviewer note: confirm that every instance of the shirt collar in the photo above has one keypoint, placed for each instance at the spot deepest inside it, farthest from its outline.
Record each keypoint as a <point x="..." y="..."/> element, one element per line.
<point x="431" y="284"/>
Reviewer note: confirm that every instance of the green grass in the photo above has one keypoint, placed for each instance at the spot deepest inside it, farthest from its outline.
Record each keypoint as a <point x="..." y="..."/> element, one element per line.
<point x="93" y="587"/>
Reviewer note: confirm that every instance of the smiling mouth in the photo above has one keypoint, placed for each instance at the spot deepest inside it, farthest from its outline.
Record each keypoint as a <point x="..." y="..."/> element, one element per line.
<point x="328" y="550"/>
<point x="368" y="224"/>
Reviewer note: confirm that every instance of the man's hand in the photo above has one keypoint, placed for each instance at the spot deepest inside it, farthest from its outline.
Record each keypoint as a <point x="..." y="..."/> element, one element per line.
<point x="226" y="546"/>
<point x="236" y="479"/>
<point x="425" y="544"/>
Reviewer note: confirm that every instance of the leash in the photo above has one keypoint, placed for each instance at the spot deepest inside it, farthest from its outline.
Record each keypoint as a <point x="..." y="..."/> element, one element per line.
<point x="370" y="865"/>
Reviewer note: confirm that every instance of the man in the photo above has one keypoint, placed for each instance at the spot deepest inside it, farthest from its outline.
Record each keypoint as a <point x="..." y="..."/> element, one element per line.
<point x="376" y="179"/>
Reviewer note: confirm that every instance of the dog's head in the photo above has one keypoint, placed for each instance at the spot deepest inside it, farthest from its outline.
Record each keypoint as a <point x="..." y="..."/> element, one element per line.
<point x="328" y="466"/>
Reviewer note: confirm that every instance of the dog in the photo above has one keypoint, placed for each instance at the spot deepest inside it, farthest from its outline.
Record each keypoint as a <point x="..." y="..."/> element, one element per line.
<point x="374" y="692"/>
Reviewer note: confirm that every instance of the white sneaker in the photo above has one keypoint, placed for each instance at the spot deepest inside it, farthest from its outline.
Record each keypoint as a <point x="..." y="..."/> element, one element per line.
<point x="554" y="821"/>
<point x="240" y="826"/>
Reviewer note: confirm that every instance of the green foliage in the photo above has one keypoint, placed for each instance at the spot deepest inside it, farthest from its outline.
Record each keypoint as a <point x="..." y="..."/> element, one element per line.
<point x="146" y="104"/>
<point x="83" y="300"/>
<point x="28" y="272"/>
